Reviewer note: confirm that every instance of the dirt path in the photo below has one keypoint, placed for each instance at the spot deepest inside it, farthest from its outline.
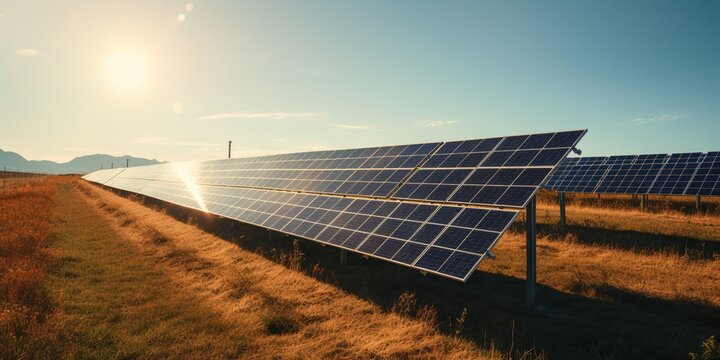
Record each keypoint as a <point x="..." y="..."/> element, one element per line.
<point x="136" y="282"/>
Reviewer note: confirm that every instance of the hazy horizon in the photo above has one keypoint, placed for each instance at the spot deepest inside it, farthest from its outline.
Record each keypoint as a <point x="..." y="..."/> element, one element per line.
<point x="175" y="80"/>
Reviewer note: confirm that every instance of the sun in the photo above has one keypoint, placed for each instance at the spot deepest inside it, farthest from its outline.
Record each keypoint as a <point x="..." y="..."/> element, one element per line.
<point x="126" y="70"/>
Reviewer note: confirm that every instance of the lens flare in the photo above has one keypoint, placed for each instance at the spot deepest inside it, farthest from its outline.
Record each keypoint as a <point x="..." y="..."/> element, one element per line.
<point x="183" y="171"/>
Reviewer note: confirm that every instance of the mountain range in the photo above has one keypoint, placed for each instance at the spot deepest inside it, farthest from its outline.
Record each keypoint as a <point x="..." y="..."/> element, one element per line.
<point x="79" y="165"/>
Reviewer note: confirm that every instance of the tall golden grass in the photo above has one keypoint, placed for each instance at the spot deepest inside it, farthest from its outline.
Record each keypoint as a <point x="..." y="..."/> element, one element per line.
<point x="618" y="269"/>
<point x="287" y="312"/>
<point x="25" y="233"/>
<point x="602" y="297"/>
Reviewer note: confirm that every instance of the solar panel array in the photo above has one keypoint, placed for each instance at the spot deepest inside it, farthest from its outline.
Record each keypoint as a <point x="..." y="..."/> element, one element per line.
<point x="437" y="207"/>
<point x="670" y="174"/>
<point x="502" y="172"/>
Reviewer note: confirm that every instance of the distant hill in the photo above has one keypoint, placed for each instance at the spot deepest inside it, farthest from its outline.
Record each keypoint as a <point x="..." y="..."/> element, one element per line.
<point x="79" y="165"/>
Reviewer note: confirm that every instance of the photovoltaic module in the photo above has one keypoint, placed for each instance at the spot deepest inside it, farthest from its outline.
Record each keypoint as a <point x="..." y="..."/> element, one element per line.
<point x="435" y="207"/>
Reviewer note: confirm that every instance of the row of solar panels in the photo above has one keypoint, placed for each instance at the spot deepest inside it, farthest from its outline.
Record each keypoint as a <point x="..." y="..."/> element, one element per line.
<point x="415" y="205"/>
<point x="671" y="174"/>
<point x="507" y="174"/>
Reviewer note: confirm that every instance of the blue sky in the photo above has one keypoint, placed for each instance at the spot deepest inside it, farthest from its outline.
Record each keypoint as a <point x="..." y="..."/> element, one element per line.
<point x="285" y="76"/>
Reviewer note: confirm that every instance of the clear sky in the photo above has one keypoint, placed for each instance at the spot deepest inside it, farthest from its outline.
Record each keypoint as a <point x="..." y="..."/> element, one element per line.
<point x="174" y="80"/>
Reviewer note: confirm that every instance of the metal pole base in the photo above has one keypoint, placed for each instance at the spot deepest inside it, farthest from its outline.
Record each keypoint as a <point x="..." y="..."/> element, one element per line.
<point x="343" y="258"/>
<point x="563" y="225"/>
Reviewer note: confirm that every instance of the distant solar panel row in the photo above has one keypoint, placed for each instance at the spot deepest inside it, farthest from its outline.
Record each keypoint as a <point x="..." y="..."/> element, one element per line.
<point x="671" y="174"/>
<point x="360" y="200"/>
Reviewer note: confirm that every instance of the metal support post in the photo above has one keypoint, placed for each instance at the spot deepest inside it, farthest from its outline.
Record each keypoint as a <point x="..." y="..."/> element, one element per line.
<point x="530" y="248"/>
<point x="643" y="202"/>
<point x="563" y="225"/>
<point x="343" y="258"/>
<point x="698" y="202"/>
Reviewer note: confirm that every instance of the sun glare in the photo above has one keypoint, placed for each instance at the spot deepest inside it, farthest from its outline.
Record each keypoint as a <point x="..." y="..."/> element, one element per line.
<point x="126" y="70"/>
<point x="183" y="171"/>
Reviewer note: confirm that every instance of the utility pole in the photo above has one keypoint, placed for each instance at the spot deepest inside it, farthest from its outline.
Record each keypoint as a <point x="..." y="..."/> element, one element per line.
<point x="112" y="165"/>
<point x="127" y="162"/>
<point x="229" y="149"/>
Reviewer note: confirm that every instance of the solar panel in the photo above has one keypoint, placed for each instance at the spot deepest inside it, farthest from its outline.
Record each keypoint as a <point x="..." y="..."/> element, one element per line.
<point x="670" y="174"/>
<point x="358" y="199"/>
<point x="396" y="231"/>
<point x="368" y="172"/>
<point x="103" y="176"/>
<point x="706" y="180"/>
<point x="502" y="172"/>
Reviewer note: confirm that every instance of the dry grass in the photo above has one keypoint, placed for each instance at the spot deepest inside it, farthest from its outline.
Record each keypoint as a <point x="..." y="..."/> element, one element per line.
<point x="9" y="179"/>
<point x="114" y="302"/>
<point x="659" y="204"/>
<point x="604" y="291"/>
<point x="608" y="274"/>
<point x="698" y="227"/>
<point x="25" y="233"/>
<point x="141" y="279"/>
<point x="286" y="313"/>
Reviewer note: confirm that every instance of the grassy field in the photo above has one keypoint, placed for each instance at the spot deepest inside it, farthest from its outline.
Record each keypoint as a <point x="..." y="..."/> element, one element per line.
<point x="658" y="204"/>
<point x="12" y="179"/>
<point x="132" y="278"/>
<point x="26" y="230"/>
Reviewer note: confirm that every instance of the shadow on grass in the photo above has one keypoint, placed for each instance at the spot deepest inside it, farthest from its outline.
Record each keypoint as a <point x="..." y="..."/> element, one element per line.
<point x="640" y="242"/>
<point x="615" y="323"/>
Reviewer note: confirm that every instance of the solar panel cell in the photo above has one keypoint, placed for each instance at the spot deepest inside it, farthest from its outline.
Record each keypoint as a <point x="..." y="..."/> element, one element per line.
<point x="470" y="217"/>
<point x="409" y="253"/>
<point x="371" y="244"/>
<point x="389" y="248"/>
<point x="512" y="142"/>
<point x="452" y="237"/>
<point x="354" y="240"/>
<point x="460" y="264"/>
<point x="406" y="230"/>
<point x="433" y="258"/>
<point x="479" y="241"/>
